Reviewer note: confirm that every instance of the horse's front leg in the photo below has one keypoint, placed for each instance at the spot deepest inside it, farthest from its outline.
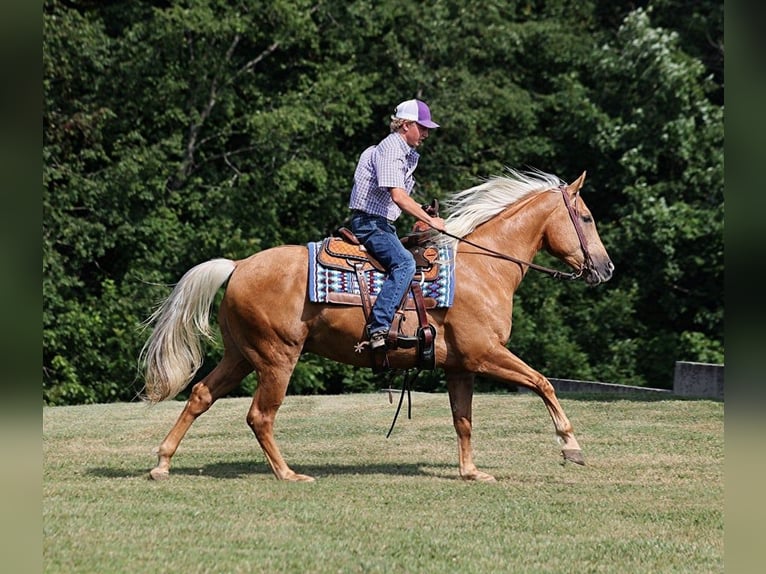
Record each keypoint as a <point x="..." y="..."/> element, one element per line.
<point x="505" y="366"/>
<point x="460" y="387"/>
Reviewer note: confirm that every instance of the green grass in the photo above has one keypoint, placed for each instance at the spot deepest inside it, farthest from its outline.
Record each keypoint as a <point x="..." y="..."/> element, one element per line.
<point x="649" y="500"/>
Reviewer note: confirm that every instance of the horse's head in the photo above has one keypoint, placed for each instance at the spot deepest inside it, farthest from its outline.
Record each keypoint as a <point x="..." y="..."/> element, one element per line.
<point x="571" y="235"/>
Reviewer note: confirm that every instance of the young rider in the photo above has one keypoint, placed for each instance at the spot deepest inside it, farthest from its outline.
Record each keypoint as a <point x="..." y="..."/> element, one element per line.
<point x="383" y="182"/>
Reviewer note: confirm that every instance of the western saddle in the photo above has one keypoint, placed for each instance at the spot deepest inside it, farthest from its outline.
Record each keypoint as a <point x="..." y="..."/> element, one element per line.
<point x="345" y="252"/>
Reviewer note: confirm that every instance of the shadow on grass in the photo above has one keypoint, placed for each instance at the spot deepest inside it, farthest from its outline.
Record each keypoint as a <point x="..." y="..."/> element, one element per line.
<point x="243" y="469"/>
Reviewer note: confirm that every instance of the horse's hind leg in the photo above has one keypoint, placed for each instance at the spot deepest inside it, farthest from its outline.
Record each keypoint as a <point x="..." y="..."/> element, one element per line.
<point x="223" y="379"/>
<point x="272" y="386"/>
<point x="460" y="387"/>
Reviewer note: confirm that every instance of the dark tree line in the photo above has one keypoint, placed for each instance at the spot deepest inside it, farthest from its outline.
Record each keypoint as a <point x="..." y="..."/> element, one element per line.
<point x="175" y="132"/>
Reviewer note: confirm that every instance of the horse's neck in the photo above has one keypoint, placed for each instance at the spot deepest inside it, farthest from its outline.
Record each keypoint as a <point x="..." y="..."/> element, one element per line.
<point x="516" y="232"/>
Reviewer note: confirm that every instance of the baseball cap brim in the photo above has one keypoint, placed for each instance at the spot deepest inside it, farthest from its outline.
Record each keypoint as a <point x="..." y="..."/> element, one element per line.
<point x="415" y="111"/>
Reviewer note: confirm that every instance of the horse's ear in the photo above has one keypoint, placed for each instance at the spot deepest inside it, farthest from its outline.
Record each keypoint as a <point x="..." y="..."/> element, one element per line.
<point x="576" y="185"/>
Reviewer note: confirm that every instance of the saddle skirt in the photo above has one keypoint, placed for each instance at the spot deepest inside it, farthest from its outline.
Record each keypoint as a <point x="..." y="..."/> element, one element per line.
<point x="332" y="273"/>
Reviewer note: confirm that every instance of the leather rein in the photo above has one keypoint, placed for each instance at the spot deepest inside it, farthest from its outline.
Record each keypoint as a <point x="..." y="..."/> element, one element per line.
<point x="574" y="216"/>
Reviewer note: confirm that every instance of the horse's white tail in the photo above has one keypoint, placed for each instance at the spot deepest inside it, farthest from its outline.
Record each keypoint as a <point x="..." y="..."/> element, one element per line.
<point x="173" y="353"/>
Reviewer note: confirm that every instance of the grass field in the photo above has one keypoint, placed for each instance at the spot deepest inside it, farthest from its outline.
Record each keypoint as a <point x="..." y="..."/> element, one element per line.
<point x="649" y="500"/>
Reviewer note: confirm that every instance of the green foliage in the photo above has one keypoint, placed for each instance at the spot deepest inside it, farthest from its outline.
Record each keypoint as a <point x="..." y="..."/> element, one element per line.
<point x="181" y="131"/>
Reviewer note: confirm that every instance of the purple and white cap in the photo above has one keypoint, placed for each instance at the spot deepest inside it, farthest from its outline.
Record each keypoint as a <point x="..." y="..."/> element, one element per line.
<point x="416" y="111"/>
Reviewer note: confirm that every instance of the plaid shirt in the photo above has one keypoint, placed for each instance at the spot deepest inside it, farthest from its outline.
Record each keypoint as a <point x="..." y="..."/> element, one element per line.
<point x="389" y="164"/>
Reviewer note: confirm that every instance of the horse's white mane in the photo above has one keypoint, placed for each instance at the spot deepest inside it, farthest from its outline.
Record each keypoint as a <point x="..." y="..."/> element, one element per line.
<point x="471" y="207"/>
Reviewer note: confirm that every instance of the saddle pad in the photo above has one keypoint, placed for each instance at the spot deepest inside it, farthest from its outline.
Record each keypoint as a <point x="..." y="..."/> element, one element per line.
<point x="326" y="280"/>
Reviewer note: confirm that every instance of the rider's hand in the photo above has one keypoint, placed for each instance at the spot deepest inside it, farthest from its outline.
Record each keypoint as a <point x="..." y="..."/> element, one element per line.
<point x="437" y="223"/>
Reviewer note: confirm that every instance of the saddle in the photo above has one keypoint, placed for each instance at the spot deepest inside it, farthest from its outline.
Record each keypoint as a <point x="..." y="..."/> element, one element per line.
<point x="344" y="251"/>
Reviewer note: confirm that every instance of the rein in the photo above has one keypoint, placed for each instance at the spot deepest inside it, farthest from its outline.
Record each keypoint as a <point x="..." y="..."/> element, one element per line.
<point x="553" y="272"/>
<point x="407" y="381"/>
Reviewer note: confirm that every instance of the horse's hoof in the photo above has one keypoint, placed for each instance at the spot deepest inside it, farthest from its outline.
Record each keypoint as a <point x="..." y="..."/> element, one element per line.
<point x="484" y="477"/>
<point x="295" y="477"/>
<point x="159" y="474"/>
<point x="573" y="455"/>
<point x="479" y="476"/>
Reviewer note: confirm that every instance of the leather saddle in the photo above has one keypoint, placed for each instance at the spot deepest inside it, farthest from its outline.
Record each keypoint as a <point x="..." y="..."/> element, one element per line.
<point x="343" y="251"/>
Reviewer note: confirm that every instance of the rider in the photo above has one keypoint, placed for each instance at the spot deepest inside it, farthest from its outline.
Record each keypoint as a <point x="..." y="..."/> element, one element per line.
<point x="383" y="182"/>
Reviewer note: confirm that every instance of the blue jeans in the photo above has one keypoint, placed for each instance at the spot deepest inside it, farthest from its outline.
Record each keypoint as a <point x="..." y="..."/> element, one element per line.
<point x="379" y="237"/>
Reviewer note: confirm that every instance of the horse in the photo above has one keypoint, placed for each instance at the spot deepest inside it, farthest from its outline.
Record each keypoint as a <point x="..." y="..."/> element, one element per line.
<point x="266" y="320"/>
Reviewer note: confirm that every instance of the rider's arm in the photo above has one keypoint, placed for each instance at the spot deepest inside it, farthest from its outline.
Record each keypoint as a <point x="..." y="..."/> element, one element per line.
<point x="412" y="207"/>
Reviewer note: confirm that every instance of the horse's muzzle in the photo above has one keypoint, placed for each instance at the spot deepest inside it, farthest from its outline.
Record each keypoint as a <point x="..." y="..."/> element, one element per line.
<point x="599" y="273"/>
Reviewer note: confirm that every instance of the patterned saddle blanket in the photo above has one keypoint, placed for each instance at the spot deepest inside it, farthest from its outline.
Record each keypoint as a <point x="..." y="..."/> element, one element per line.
<point x="332" y="278"/>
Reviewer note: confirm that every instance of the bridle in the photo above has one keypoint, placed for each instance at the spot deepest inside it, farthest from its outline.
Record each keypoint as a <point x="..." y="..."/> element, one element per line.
<point x="574" y="215"/>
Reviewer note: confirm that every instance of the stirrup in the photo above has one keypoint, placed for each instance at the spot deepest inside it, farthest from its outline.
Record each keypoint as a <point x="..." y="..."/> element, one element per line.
<point x="378" y="340"/>
<point x="397" y="340"/>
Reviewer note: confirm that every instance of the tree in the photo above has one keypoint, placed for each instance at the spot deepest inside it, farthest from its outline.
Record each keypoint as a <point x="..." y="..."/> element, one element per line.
<point x="179" y="131"/>
<point x="665" y="140"/>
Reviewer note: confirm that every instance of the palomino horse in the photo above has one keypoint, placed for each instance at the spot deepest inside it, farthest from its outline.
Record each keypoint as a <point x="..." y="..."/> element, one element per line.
<point x="267" y="321"/>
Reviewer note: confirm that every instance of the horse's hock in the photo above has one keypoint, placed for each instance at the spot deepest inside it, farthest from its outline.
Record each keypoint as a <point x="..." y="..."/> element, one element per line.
<point x="698" y="380"/>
